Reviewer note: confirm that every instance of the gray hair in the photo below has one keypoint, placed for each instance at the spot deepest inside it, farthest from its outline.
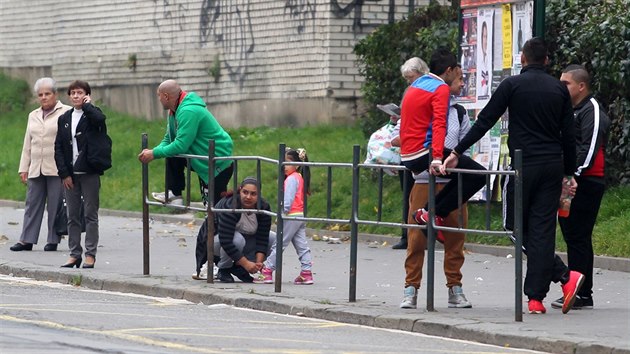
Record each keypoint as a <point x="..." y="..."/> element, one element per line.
<point x="45" y="82"/>
<point x="414" y="64"/>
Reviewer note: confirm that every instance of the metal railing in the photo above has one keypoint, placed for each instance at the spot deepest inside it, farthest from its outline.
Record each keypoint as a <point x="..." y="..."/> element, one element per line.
<point x="354" y="221"/>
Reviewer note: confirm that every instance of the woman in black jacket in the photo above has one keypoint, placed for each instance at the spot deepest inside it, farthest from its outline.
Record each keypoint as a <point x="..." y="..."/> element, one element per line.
<point x="79" y="175"/>
<point x="242" y="240"/>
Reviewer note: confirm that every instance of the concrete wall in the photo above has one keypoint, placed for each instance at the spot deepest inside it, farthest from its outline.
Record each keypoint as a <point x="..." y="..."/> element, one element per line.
<point x="278" y="62"/>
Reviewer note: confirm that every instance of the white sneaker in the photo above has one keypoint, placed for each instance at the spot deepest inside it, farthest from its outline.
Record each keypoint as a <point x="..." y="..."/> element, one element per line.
<point x="457" y="299"/>
<point x="203" y="273"/>
<point x="410" y="298"/>
<point x="172" y="199"/>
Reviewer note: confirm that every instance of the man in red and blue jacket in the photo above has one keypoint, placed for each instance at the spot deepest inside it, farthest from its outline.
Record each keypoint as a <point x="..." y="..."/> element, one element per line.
<point x="423" y="125"/>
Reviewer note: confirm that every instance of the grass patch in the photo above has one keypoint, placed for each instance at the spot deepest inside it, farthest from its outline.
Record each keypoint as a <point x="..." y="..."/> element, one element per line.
<point x="76" y="280"/>
<point x="121" y="185"/>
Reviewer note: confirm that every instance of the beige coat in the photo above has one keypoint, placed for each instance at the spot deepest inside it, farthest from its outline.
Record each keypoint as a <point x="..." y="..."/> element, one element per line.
<point x="38" y="151"/>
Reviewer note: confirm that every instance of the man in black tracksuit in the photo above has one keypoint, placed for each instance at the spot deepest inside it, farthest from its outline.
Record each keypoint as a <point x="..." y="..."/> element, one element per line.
<point x="541" y="125"/>
<point x="592" y="128"/>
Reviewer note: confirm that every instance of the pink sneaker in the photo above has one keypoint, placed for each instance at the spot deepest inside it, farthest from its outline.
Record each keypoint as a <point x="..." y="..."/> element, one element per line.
<point x="264" y="277"/>
<point x="421" y="217"/>
<point x="305" y="278"/>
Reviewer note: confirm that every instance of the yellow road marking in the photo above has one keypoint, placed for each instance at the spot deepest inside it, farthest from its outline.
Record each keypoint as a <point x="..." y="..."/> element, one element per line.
<point x="31" y="307"/>
<point x="115" y="334"/>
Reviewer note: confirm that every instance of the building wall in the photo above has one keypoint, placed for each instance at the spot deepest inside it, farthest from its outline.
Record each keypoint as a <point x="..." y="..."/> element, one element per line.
<point x="258" y="62"/>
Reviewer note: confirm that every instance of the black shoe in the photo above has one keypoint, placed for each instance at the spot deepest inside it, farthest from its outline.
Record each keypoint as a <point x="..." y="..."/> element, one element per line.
<point x="580" y="303"/>
<point x="22" y="247"/>
<point x="71" y="264"/>
<point x="401" y="245"/>
<point x="50" y="247"/>
<point x="224" y="276"/>
<point x="242" y="274"/>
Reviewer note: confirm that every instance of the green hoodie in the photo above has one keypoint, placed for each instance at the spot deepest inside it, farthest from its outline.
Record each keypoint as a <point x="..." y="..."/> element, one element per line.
<point x="188" y="132"/>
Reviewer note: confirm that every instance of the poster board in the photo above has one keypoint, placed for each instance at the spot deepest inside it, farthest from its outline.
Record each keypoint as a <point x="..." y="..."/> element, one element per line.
<point x="492" y="36"/>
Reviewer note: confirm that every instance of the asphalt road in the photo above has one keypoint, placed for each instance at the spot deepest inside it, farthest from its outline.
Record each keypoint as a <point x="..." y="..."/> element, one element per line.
<point x="43" y="317"/>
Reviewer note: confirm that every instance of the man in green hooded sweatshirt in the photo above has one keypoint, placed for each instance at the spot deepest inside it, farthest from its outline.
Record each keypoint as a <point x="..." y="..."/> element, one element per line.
<point x="190" y="126"/>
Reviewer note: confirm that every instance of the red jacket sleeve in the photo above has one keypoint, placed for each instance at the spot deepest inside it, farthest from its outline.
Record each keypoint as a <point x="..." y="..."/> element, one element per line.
<point x="440" y="111"/>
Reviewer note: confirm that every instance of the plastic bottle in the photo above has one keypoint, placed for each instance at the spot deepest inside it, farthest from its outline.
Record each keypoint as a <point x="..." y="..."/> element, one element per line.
<point x="565" y="199"/>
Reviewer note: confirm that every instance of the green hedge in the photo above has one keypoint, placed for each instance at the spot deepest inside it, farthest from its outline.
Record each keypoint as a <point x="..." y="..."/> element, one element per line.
<point x="14" y="94"/>
<point x="595" y="33"/>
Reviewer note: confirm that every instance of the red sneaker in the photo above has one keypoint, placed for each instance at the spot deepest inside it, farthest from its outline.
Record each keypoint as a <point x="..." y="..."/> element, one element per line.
<point x="536" y="307"/>
<point x="570" y="290"/>
<point x="421" y="217"/>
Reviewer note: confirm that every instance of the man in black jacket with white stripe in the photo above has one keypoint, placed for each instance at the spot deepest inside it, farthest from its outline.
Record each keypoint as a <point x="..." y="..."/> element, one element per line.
<point x="592" y="129"/>
<point x="541" y="125"/>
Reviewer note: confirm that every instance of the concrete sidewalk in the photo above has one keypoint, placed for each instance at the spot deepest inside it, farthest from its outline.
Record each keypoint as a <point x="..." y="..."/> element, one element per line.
<point x="488" y="284"/>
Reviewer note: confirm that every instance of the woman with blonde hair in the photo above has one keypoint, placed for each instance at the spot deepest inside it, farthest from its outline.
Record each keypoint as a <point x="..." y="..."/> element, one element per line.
<point x="38" y="169"/>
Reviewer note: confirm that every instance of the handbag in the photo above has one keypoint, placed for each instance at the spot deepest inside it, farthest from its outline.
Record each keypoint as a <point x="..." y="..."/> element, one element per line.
<point x="99" y="149"/>
<point x="61" y="218"/>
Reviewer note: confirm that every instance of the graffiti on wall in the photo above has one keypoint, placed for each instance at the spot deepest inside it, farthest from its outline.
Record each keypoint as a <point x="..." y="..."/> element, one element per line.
<point x="228" y="24"/>
<point x="169" y="18"/>
<point x="355" y="7"/>
<point x="301" y="11"/>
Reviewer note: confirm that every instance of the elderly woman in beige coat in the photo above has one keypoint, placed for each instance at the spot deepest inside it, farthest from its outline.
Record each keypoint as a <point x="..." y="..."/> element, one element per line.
<point x="38" y="169"/>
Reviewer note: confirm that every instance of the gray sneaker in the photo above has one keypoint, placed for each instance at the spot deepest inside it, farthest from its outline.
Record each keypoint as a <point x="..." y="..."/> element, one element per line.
<point x="410" y="298"/>
<point x="456" y="298"/>
<point x="172" y="199"/>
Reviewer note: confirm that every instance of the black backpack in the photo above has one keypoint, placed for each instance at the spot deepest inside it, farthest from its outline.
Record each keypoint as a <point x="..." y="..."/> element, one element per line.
<point x="461" y="112"/>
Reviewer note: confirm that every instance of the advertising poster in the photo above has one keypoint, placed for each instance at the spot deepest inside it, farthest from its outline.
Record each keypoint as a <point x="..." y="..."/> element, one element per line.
<point x="468" y="59"/>
<point x="493" y="35"/>
<point x="486" y="153"/>
<point x="522" y="25"/>
<point x="485" y="26"/>
<point x="477" y="3"/>
<point x="506" y="30"/>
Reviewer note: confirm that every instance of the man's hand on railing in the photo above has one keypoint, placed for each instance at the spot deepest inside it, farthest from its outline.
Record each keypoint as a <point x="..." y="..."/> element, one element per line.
<point x="451" y="162"/>
<point x="146" y="156"/>
<point x="436" y="167"/>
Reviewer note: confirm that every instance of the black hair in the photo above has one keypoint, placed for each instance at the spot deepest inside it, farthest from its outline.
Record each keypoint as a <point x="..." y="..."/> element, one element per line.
<point x="78" y="84"/>
<point x="535" y="51"/>
<point x="250" y="180"/>
<point x="299" y="155"/>
<point x="579" y="74"/>
<point x="441" y="60"/>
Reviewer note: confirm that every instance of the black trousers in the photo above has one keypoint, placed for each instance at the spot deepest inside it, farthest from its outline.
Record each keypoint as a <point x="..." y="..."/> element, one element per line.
<point x="176" y="179"/>
<point x="201" y="250"/>
<point x="220" y="187"/>
<point x="406" y="183"/>
<point x="446" y="199"/>
<point x="542" y="185"/>
<point x="577" y="229"/>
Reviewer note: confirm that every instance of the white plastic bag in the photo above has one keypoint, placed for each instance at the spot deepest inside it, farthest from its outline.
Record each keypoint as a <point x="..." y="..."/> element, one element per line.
<point x="379" y="148"/>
